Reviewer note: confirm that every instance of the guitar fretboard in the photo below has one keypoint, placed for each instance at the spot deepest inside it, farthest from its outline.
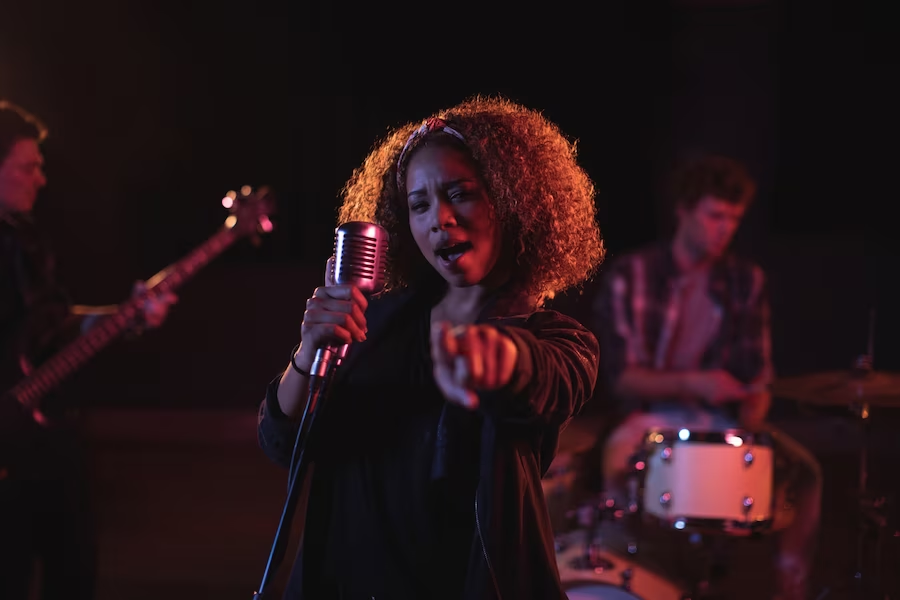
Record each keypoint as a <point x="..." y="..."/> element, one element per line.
<point x="74" y="355"/>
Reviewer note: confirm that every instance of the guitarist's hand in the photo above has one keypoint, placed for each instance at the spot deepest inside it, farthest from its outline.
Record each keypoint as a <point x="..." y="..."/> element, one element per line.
<point x="154" y="307"/>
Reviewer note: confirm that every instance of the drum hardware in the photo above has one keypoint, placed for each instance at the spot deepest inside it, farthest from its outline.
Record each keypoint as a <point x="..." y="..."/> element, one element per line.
<point x="872" y="506"/>
<point x="606" y="575"/>
<point x="860" y="389"/>
<point x="587" y="532"/>
<point x="633" y="499"/>
<point x="590" y="517"/>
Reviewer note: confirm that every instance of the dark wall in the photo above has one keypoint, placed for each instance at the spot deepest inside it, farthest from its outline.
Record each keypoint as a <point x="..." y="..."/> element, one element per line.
<point x="155" y="111"/>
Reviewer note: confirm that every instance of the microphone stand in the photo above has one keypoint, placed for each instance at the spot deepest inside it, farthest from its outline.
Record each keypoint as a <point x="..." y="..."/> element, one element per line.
<point x="324" y="366"/>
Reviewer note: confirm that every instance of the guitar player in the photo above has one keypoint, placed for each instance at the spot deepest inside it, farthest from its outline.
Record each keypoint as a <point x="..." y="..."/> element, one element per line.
<point x="45" y="524"/>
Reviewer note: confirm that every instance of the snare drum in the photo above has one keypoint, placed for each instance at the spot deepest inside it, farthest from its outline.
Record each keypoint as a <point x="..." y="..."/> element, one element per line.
<point x="718" y="481"/>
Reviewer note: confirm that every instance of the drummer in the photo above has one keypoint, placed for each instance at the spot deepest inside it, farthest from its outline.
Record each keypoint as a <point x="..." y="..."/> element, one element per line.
<point x="684" y="331"/>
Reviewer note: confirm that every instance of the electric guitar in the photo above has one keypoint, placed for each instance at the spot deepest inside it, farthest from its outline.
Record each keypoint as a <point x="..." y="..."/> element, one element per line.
<point x="249" y="217"/>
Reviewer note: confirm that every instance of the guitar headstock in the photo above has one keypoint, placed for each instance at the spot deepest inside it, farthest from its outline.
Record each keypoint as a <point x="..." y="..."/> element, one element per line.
<point x="249" y="210"/>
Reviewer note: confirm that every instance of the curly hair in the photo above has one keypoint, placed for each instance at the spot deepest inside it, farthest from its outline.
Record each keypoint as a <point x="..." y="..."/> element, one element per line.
<point x="711" y="175"/>
<point x="543" y="199"/>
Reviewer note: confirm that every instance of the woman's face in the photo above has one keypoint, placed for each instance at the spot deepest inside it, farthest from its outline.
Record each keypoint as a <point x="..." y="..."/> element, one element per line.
<point x="450" y="215"/>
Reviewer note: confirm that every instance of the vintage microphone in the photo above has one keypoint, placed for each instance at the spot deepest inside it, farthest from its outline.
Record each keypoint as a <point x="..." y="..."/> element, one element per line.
<point x="359" y="258"/>
<point x="360" y="251"/>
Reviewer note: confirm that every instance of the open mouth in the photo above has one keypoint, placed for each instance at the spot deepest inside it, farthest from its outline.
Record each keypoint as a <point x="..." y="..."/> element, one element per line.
<point x="453" y="252"/>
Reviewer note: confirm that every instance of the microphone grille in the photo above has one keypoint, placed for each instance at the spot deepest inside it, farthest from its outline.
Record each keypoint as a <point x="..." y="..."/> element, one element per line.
<point x="360" y="252"/>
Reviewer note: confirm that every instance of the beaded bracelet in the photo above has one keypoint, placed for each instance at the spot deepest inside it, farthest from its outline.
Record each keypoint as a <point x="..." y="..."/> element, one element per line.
<point x="294" y="364"/>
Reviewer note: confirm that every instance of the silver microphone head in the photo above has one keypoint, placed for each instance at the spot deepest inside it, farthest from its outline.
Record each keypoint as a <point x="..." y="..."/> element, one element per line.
<point x="360" y="253"/>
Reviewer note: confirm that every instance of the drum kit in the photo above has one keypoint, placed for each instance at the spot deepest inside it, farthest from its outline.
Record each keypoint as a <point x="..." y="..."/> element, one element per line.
<point x="706" y="486"/>
<point x="701" y="483"/>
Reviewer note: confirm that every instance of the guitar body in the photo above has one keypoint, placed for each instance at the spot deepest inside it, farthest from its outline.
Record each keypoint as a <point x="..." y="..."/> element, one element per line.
<point x="25" y="427"/>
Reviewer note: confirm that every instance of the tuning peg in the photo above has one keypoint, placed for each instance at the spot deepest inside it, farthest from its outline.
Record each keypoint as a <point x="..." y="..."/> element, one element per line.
<point x="228" y="200"/>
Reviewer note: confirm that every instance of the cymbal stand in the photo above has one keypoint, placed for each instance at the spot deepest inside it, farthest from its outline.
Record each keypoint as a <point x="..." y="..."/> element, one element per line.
<point x="871" y="506"/>
<point x="872" y="520"/>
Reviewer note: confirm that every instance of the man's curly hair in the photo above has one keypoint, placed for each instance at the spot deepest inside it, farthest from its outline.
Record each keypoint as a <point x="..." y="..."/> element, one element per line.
<point x="543" y="199"/>
<point x="711" y="175"/>
<point x="16" y="124"/>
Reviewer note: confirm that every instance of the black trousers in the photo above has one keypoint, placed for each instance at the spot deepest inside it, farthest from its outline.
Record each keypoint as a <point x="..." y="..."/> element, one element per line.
<point x="46" y="523"/>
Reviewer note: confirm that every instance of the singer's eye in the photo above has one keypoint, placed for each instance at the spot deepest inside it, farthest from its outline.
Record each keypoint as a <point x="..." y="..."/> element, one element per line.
<point x="418" y="206"/>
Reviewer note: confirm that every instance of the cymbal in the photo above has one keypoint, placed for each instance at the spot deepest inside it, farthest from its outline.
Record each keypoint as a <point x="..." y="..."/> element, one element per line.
<point x="835" y="388"/>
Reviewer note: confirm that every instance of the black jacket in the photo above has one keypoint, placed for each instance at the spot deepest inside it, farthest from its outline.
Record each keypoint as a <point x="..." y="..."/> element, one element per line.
<point x="555" y="376"/>
<point x="35" y="322"/>
<point x="34" y="308"/>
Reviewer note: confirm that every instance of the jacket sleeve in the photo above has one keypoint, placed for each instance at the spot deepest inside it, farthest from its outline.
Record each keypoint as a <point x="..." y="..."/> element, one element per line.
<point x="275" y="431"/>
<point x="556" y="371"/>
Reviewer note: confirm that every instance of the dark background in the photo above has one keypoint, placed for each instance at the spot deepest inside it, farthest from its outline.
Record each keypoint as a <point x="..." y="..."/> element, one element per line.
<point x="156" y="109"/>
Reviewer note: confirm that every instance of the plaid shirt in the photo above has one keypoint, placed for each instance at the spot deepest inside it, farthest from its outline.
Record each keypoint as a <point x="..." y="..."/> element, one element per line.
<point x="636" y="312"/>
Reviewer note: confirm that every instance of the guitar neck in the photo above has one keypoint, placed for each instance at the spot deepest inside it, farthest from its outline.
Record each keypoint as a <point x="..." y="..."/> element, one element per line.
<point x="74" y="355"/>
